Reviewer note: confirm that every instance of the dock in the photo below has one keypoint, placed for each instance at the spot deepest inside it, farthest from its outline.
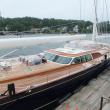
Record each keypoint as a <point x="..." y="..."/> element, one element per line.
<point x="94" y="96"/>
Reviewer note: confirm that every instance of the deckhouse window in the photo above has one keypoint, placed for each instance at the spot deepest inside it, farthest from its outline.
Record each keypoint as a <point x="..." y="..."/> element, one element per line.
<point x="57" y="58"/>
<point x="63" y="60"/>
<point x="50" y="57"/>
<point x="83" y="59"/>
<point x="77" y="60"/>
<point x="88" y="57"/>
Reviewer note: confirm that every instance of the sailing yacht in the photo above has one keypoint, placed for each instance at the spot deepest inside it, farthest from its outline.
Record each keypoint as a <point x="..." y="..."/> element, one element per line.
<point x="41" y="81"/>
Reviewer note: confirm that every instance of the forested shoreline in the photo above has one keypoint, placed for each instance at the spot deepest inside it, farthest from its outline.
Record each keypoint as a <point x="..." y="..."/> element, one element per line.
<point x="31" y="24"/>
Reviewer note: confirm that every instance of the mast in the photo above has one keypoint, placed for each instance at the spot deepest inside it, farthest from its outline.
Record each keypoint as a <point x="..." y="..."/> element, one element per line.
<point x="95" y="33"/>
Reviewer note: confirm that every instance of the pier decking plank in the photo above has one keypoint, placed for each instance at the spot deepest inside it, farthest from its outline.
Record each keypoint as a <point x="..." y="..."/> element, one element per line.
<point x="88" y="97"/>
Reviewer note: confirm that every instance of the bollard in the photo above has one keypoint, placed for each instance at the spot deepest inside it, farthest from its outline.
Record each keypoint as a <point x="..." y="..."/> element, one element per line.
<point x="11" y="89"/>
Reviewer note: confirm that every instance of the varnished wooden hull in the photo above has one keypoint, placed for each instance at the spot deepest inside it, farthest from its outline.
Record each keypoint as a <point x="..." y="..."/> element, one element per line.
<point x="47" y="96"/>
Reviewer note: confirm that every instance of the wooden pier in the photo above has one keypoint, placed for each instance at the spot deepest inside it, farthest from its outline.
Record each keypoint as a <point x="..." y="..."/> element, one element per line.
<point x="89" y="97"/>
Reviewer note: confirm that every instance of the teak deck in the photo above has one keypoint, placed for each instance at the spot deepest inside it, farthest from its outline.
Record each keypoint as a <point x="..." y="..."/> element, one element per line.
<point x="26" y="76"/>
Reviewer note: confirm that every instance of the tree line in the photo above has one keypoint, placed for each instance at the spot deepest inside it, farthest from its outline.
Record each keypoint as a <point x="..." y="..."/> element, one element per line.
<point x="46" y="25"/>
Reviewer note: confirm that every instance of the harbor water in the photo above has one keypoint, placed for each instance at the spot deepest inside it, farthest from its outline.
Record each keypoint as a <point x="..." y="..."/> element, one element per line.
<point x="40" y="48"/>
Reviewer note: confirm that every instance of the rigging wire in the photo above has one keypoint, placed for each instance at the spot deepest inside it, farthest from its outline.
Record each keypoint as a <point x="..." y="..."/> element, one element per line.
<point x="80" y="2"/>
<point x="107" y="16"/>
<point x="80" y="13"/>
<point x="104" y="25"/>
<point x="95" y="31"/>
<point x="96" y="7"/>
<point x="95" y="4"/>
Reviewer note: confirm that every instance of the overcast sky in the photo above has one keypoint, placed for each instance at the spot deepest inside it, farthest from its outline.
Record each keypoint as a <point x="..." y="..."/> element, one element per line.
<point x="60" y="9"/>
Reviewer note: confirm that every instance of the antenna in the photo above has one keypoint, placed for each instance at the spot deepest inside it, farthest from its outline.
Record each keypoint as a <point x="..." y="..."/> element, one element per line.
<point x="95" y="21"/>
